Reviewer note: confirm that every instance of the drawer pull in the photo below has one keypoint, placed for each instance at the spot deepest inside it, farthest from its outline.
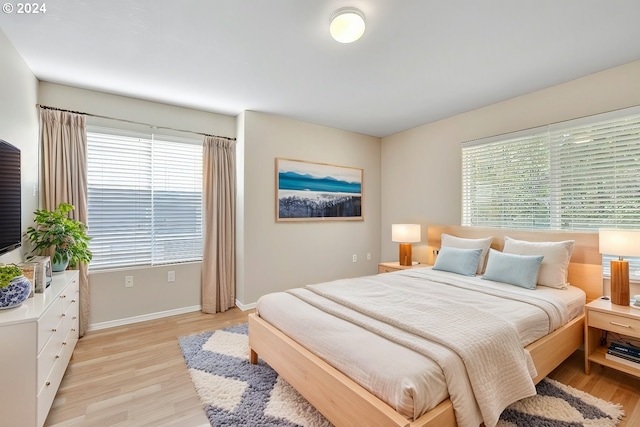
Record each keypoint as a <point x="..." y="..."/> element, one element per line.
<point x="57" y="357"/>
<point x="74" y="318"/>
<point x="64" y="315"/>
<point x="73" y="330"/>
<point x="620" y="324"/>
<point x="64" y="343"/>
<point x="63" y="296"/>
<point x="54" y="330"/>
<point x="73" y="300"/>
<point x="48" y="383"/>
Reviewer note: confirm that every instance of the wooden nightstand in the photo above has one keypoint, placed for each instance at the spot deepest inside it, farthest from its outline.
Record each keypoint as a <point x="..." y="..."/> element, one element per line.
<point x="387" y="267"/>
<point x="601" y="316"/>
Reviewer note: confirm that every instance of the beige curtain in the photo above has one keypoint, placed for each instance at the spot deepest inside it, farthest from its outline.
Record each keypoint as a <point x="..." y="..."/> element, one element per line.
<point x="64" y="177"/>
<point x="219" y="254"/>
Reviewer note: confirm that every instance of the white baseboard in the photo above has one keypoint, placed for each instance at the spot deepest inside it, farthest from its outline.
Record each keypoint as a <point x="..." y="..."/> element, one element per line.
<point x="245" y="307"/>
<point x="142" y="318"/>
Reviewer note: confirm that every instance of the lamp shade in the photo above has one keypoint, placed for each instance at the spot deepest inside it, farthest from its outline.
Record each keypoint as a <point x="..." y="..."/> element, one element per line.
<point x="405" y="233"/>
<point x="619" y="242"/>
<point x="347" y="25"/>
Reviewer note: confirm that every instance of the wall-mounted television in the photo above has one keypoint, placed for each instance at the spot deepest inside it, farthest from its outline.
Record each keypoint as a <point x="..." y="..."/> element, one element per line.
<point x="10" y="198"/>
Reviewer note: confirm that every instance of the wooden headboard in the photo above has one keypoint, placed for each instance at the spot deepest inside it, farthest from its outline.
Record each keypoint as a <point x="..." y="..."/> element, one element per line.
<point x="585" y="268"/>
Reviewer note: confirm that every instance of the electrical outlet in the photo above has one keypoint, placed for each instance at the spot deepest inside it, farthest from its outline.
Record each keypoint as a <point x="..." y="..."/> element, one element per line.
<point x="355" y="258"/>
<point x="128" y="281"/>
<point x="368" y="256"/>
<point x="171" y="276"/>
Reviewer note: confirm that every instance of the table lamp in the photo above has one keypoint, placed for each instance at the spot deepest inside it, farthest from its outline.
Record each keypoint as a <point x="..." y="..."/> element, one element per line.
<point x="405" y="234"/>
<point x="619" y="243"/>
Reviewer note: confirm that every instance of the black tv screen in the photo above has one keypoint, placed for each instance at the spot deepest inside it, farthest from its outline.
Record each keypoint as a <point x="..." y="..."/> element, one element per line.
<point x="10" y="198"/>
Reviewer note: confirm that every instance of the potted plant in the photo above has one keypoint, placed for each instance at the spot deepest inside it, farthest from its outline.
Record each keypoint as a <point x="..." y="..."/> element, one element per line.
<point x="14" y="287"/>
<point x="67" y="237"/>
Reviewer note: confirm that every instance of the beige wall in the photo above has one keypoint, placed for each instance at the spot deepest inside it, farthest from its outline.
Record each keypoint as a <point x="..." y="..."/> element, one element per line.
<point x="275" y="256"/>
<point x="19" y="127"/>
<point x="421" y="174"/>
<point x="151" y="294"/>
<point x="293" y="253"/>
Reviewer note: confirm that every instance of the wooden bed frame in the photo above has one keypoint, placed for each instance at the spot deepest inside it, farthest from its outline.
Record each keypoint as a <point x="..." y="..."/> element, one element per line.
<point x="345" y="403"/>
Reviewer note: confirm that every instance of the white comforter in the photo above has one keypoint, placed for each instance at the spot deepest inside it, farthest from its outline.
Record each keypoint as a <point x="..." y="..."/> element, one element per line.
<point x="430" y="313"/>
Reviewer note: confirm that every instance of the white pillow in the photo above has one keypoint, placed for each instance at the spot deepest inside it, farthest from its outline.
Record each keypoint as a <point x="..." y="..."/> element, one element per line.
<point x="555" y="265"/>
<point x="462" y="243"/>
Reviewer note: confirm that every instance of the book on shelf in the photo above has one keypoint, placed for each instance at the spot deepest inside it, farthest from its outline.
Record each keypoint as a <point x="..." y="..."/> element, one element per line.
<point x="625" y="349"/>
<point x="624" y="355"/>
<point x="622" y="360"/>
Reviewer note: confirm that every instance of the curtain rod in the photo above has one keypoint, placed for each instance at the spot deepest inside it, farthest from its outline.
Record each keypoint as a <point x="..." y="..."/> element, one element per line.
<point x="133" y="122"/>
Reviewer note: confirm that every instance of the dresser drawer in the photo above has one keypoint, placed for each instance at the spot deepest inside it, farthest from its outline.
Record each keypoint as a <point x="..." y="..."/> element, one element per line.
<point x="70" y="296"/>
<point x="70" y="319"/>
<point x="614" y="323"/>
<point x="48" y="322"/>
<point x="46" y="394"/>
<point x="50" y="355"/>
<point x="68" y="344"/>
<point x="70" y="327"/>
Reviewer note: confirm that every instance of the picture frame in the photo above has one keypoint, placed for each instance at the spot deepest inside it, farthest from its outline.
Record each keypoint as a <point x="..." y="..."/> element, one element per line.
<point x="310" y="191"/>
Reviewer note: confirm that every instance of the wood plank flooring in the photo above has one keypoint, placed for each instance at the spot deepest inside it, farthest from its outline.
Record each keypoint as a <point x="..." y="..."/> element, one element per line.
<point x="135" y="375"/>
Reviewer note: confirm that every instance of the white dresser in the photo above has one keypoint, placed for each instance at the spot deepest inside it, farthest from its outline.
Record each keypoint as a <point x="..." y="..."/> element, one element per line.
<point x="36" y="343"/>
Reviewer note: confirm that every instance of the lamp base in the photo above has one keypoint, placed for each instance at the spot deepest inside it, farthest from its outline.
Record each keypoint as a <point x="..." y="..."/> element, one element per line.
<point x="620" y="282"/>
<point x="405" y="254"/>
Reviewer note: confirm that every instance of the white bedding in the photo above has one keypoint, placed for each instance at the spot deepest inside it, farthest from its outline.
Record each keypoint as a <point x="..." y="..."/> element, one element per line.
<point x="407" y="380"/>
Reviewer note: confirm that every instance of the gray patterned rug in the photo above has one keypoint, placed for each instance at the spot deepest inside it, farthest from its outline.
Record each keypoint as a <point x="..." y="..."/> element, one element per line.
<point x="236" y="393"/>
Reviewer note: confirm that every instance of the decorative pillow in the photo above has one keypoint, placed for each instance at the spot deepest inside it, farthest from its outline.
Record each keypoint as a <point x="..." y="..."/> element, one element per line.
<point x="462" y="243"/>
<point x="519" y="270"/>
<point x="555" y="266"/>
<point x="460" y="261"/>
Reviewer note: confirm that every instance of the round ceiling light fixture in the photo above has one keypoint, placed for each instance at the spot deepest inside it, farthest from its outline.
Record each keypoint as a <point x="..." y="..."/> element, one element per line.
<point x="347" y="25"/>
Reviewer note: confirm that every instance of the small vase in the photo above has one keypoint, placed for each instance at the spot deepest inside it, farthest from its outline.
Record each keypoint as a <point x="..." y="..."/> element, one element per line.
<point x="56" y="267"/>
<point x="16" y="293"/>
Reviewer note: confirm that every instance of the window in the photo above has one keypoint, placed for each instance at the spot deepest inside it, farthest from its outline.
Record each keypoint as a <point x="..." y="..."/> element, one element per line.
<point x="578" y="175"/>
<point x="144" y="198"/>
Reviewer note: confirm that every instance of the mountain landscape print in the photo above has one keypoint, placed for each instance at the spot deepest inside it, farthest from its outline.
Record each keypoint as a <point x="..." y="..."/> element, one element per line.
<point x="314" y="191"/>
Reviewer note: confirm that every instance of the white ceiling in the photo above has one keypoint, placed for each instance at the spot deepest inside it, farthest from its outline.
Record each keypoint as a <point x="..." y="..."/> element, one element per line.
<point x="418" y="61"/>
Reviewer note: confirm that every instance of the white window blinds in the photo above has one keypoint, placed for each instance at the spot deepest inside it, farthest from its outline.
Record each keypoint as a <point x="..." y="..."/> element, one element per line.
<point x="144" y="198"/>
<point x="506" y="182"/>
<point x="596" y="173"/>
<point x="578" y="175"/>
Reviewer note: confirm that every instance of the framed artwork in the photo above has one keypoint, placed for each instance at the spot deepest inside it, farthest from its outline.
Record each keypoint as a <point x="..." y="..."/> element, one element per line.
<point x="307" y="191"/>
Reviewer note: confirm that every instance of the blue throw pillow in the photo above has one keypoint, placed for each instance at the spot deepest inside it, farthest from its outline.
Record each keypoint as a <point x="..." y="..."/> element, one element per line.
<point x="519" y="270"/>
<point x="456" y="260"/>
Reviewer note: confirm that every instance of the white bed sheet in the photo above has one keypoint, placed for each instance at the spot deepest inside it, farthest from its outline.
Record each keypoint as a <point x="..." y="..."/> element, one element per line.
<point x="409" y="382"/>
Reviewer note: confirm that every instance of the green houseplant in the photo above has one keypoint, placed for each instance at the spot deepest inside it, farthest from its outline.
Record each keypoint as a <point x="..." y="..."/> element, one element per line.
<point x="67" y="236"/>
<point x="8" y="273"/>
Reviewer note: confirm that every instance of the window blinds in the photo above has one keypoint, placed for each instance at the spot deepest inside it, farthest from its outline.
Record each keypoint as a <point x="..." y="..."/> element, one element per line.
<point x="596" y="173"/>
<point x="578" y="175"/>
<point x="144" y="198"/>
<point x="505" y="182"/>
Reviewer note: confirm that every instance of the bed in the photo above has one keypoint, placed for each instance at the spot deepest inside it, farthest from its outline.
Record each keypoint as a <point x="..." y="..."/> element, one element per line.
<point x="344" y="401"/>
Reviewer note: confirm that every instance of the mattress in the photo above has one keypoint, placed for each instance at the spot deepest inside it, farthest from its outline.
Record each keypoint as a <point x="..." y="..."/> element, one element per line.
<point x="408" y="381"/>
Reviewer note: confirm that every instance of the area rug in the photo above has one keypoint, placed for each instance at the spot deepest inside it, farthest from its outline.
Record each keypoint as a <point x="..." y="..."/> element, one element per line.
<point x="236" y="393"/>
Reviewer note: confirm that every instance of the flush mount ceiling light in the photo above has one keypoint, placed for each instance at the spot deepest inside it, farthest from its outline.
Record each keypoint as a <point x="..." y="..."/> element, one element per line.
<point x="347" y="25"/>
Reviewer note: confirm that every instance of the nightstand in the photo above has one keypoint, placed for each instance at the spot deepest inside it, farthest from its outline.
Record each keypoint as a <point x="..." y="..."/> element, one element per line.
<point x="387" y="267"/>
<point x="601" y="315"/>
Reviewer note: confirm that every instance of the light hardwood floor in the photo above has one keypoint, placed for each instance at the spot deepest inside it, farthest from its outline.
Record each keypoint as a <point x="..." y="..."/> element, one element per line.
<point x="135" y="375"/>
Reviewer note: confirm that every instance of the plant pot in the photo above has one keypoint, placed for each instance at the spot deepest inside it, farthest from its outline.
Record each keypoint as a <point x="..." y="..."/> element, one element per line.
<point x="60" y="265"/>
<point x="16" y="293"/>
